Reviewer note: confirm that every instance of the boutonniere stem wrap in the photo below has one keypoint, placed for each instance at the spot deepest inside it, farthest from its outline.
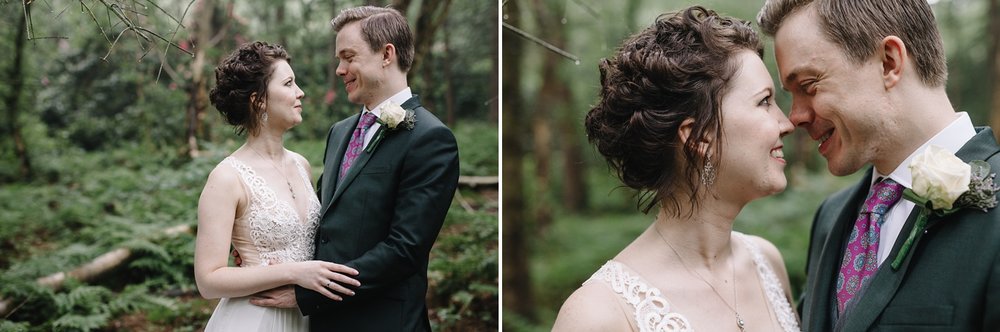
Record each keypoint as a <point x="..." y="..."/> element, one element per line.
<point x="942" y="185"/>
<point x="391" y="117"/>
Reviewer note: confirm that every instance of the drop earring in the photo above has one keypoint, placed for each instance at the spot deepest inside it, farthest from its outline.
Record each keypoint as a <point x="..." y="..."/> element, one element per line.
<point x="263" y="117"/>
<point x="708" y="173"/>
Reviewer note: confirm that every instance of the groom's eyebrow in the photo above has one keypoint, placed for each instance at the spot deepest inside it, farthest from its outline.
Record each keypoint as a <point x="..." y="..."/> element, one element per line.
<point x="789" y="79"/>
<point x="345" y="52"/>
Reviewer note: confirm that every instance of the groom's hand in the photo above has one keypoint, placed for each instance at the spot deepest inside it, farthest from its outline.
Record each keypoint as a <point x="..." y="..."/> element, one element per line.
<point x="281" y="297"/>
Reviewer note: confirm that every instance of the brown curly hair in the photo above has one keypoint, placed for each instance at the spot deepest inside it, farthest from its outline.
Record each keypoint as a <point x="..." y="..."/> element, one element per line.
<point x="243" y="73"/>
<point x="674" y="70"/>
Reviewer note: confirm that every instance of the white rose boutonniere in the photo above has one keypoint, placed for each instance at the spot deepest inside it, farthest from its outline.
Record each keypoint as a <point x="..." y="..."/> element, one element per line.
<point x="391" y="117"/>
<point x="940" y="177"/>
<point x="944" y="184"/>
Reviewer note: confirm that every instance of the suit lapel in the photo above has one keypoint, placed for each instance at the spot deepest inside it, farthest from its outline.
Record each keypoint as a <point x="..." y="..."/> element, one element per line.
<point x="885" y="283"/>
<point x="339" y="139"/>
<point x="359" y="164"/>
<point x="818" y="311"/>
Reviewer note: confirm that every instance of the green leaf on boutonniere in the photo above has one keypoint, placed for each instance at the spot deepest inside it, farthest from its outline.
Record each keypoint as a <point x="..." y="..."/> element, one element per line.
<point x="379" y="135"/>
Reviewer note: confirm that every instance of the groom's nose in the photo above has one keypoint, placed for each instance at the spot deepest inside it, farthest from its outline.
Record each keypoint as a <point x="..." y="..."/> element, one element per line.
<point x="801" y="113"/>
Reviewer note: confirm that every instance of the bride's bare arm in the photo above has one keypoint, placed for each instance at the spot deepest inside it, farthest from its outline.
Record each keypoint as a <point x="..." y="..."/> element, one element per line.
<point x="216" y="214"/>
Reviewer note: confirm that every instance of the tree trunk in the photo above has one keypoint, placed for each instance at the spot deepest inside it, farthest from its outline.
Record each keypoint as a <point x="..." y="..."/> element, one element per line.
<point x="279" y="22"/>
<point x="494" y="103"/>
<point x="449" y="90"/>
<point x="197" y="90"/>
<point x="13" y="102"/>
<point x="431" y="15"/>
<point x="552" y="97"/>
<point x="517" y="293"/>
<point x="575" y="192"/>
<point x="994" y="17"/>
<point x="331" y="68"/>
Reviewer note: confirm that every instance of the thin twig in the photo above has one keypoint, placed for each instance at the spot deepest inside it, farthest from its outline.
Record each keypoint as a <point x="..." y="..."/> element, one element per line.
<point x="94" y="17"/>
<point x="163" y="58"/>
<point x="166" y="13"/>
<point x="543" y="43"/>
<point x="590" y="10"/>
<point x="461" y="201"/>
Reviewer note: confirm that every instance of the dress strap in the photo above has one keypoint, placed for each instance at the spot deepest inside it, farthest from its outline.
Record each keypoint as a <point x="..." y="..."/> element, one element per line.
<point x="259" y="192"/>
<point x="772" y="286"/>
<point x="302" y="171"/>
<point x="652" y="311"/>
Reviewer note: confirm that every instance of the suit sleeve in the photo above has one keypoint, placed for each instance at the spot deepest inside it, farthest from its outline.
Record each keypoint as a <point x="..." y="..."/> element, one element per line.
<point x="427" y="185"/>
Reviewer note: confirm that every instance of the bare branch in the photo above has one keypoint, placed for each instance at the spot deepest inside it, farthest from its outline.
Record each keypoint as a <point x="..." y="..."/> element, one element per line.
<point x="94" y="17"/>
<point x="163" y="58"/>
<point x="543" y="43"/>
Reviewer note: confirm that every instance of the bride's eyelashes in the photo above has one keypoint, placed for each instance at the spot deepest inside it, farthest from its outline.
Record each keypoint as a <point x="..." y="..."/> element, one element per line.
<point x="766" y="101"/>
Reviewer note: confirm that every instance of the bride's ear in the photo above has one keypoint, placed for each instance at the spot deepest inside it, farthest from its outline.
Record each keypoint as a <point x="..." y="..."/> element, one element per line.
<point x="684" y="132"/>
<point x="254" y="100"/>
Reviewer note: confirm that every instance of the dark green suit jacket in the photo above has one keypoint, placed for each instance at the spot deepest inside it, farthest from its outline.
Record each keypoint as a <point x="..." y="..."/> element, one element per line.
<point x="382" y="219"/>
<point x="950" y="281"/>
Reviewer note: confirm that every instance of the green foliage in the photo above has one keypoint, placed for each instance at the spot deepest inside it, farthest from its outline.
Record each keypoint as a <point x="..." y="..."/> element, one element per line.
<point x="478" y="149"/>
<point x="96" y="202"/>
<point x="463" y="272"/>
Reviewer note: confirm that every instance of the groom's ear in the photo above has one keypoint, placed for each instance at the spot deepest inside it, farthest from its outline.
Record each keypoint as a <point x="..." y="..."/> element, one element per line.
<point x="388" y="54"/>
<point x="893" y="56"/>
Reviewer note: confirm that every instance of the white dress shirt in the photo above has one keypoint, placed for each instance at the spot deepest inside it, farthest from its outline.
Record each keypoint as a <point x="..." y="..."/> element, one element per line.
<point x="399" y="98"/>
<point x="951" y="138"/>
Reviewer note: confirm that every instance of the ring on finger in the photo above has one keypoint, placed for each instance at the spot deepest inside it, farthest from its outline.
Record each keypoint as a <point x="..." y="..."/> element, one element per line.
<point x="328" y="283"/>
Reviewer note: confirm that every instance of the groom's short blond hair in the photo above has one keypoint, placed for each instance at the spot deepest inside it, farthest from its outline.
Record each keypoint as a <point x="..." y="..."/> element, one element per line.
<point x="381" y="26"/>
<point x="857" y="26"/>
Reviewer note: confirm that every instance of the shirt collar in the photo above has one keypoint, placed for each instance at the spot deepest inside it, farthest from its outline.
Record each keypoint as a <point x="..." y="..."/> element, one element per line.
<point x="951" y="138"/>
<point x="399" y="98"/>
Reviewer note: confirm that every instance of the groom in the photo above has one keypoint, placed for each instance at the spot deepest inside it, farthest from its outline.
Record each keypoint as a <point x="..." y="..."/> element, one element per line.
<point x="867" y="80"/>
<point x="386" y="186"/>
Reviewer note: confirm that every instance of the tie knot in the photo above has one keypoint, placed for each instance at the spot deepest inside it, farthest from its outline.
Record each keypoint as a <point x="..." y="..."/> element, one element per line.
<point x="367" y="120"/>
<point x="883" y="195"/>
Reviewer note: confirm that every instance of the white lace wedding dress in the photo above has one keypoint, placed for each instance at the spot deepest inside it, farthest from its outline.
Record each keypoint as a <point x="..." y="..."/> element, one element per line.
<point x="653" y="313"/>
<point x="271" y="231"/>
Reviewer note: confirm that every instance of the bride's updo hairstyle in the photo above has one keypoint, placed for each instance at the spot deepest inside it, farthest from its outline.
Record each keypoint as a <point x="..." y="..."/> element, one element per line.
<point x="676" y="69"/>
<point x="244" y="72"/>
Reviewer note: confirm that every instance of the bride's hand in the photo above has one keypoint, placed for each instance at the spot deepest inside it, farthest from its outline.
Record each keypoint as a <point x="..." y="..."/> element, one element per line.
<point x="324" y="277"/>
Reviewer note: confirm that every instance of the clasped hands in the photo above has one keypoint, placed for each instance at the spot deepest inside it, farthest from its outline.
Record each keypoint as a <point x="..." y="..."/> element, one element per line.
<point x="320" y="276"/>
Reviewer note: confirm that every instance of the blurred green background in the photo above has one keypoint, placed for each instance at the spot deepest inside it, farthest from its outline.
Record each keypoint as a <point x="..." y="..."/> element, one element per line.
<point x="108" y="137"/>
<point x="564" y="213"/>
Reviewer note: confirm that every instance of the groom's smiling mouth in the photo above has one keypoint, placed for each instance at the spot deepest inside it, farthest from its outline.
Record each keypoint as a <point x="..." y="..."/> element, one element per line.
<point x="823" y="139"/>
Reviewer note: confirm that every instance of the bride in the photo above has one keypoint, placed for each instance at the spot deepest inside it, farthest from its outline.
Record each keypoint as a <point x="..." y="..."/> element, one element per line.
<point x="687" y="116"/>
<point x="261" y="200"/>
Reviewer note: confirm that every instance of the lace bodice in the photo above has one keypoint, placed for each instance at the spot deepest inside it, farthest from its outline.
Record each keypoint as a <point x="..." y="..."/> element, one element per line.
<point x="271" y="231"/>
<point x="653" y="312"/>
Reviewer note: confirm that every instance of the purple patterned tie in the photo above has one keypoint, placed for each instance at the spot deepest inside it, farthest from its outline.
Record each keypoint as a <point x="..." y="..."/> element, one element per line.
<point x="357" y="143"/>
<point x="861" y="257"/>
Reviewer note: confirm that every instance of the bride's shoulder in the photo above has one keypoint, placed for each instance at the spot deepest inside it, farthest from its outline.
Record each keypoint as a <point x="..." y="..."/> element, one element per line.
<point x="766" y="248"/>
<point x="298" y="157"/>
<point x="592" y="307"/>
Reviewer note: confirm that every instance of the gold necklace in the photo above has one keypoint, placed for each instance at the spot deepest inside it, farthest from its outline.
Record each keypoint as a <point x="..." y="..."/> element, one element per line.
<point x="289" y="183"/>
<point x="732" y="260"/>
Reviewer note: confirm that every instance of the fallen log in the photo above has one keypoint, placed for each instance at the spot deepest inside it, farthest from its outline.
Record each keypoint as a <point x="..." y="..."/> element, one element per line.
<point x="475" y="181"/>
<point x="94" y="268"/>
